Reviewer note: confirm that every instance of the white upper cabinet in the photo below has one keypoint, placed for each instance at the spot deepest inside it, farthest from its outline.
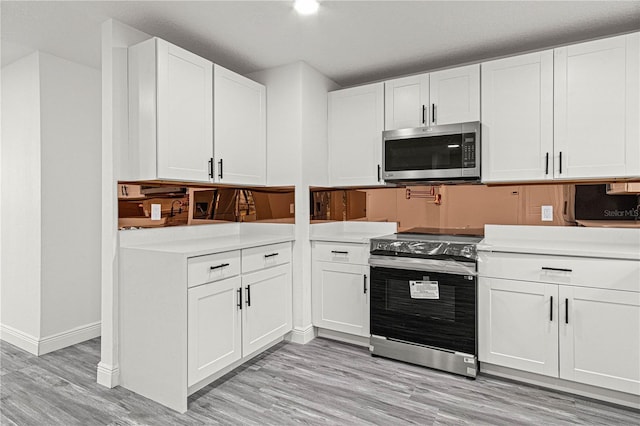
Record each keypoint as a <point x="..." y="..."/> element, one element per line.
<point x="191" y="120"/>
<point x="406" y="101"/>
<point x="517" y="118"/>
<point x="356" y="119"/>
<point x="170" y="114"/>
<point x="239" y="128"/>
<point x="442" y="97"/>
<point x="455" y="95"/>
<point x="596" y="108"/>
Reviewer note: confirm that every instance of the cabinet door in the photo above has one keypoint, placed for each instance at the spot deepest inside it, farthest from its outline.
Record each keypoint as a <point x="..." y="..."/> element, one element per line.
<point x="596" y="108"/>
<point x="355" y="135"/>
<point x="240" y="128"/>
<point x="406" y="102"/>
<point x="184" y="108"/>
<point x="455" y="95"/>
<point x="340" y="297"/>
<point x="267" y="310"/>
<point x="600" y="338"/>
<point x="214" y="333"/>
<point x="517" y="118"/>
<point x="518" y="325"/>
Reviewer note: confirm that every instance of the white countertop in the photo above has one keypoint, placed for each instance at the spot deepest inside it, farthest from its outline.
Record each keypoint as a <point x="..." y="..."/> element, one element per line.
<point x="613" y="243"/>
<point x="219" y="244"/>
<point x="350" y="232"/>
<point x="200" y="240"/>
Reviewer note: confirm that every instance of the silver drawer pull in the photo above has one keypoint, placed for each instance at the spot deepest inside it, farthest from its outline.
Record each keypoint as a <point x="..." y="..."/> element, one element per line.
<point x="339" y="252"/>
<point x="545" y="268"/>
<point x="222" y="265"/>
<point x="271" y="255"/>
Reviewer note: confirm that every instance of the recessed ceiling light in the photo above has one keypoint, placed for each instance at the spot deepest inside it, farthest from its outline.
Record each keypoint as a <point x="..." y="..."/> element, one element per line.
<point x="306" y="7"/>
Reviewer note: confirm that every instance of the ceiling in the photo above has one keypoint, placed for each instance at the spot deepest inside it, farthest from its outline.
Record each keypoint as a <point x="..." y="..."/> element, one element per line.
<point x="350" y="42"/>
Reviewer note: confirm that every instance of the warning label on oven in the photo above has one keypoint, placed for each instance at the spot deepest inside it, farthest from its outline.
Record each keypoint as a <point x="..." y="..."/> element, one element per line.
<point x="424" y="289"/>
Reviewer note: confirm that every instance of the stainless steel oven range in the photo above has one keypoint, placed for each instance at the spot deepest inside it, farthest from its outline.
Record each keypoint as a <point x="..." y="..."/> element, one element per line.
<point x="423" y="299"/>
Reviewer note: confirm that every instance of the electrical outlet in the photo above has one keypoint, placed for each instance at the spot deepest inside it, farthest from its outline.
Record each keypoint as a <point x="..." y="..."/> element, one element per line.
<point x="547" y="213"/>
<point x="155" y="212"/>
<point x="292" y="208"/>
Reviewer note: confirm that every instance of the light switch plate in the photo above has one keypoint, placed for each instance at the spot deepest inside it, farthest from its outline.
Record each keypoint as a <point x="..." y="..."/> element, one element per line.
<point x="547" y="213"/>
<point x="155" y="212"/>
<point x="292" y="208"/>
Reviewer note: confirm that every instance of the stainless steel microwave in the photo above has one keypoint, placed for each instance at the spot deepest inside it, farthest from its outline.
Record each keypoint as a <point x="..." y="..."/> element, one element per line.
<point x="438" y="153"/>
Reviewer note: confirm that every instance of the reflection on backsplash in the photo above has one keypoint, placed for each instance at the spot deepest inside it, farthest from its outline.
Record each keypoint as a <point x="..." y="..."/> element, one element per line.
<point x="470" y="206"/>
<point x="182" y="205"/>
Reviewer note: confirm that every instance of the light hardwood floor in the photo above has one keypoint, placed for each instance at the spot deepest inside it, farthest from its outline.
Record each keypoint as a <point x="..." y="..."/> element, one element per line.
<point x="323" y="382"/>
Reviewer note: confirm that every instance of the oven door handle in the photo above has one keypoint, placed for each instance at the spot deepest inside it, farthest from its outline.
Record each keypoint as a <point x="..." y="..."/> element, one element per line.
<point x="416" y="264"/>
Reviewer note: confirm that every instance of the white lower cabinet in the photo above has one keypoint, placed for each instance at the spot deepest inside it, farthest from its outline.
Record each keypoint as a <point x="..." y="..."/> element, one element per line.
<point x="571" y="323"/>
<point x="600" y="337"/>
<point x="214" y="328"/>
<point x="235" y="317"/>
<point x="187" y="316"/>
<point x="340" y="287"/>
<point x="518" y="326"/>
<point x="266" y="314"/>
<point x="340" y="297"/>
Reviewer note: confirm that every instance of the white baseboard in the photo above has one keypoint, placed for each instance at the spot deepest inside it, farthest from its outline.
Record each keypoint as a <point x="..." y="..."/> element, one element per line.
<point x="108" y="375"/>
<point x="593" y="392"/>
<point x="69" y="338"/>
<point x="301" y="335"/>
<point x="36" y="346"/>
<point x="17" y="338"/>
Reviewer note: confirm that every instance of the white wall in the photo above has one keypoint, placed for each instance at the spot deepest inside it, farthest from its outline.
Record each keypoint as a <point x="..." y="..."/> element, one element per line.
<point x="315" y="130"/>
<point x="20" y="289"/>
<point x="297" y="155"/>
<point x="51" y="203"/>
<point x="71" y="199"/>
<point x="284" y="109"/>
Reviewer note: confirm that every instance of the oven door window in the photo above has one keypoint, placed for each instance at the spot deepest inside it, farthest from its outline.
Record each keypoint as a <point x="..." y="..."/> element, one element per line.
<point x="426" y="153"/>
<point x="439" y="312"/>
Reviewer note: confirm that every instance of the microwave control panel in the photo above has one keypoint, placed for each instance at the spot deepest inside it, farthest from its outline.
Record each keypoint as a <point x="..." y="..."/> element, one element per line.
<point x="468" y="150"/>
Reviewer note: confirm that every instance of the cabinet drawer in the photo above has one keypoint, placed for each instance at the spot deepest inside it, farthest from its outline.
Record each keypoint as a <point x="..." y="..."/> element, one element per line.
<point x="212" y="267"/>
<point x="341" y="252"/>
<point x="256" y="258"/>
<point x="612" y="274"/>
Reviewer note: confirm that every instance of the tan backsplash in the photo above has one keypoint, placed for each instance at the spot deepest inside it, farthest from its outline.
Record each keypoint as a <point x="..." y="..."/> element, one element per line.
<point x="460" y="206"/>
<point x="185" y="205"/>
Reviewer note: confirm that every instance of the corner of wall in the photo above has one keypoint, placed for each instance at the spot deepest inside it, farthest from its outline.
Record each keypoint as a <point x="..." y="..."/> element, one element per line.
<point x="21" y="196"/>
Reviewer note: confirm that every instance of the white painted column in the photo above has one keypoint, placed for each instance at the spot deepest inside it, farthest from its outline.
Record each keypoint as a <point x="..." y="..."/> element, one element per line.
<point x="297" y="155"/>
<point x="116" y="38"/>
